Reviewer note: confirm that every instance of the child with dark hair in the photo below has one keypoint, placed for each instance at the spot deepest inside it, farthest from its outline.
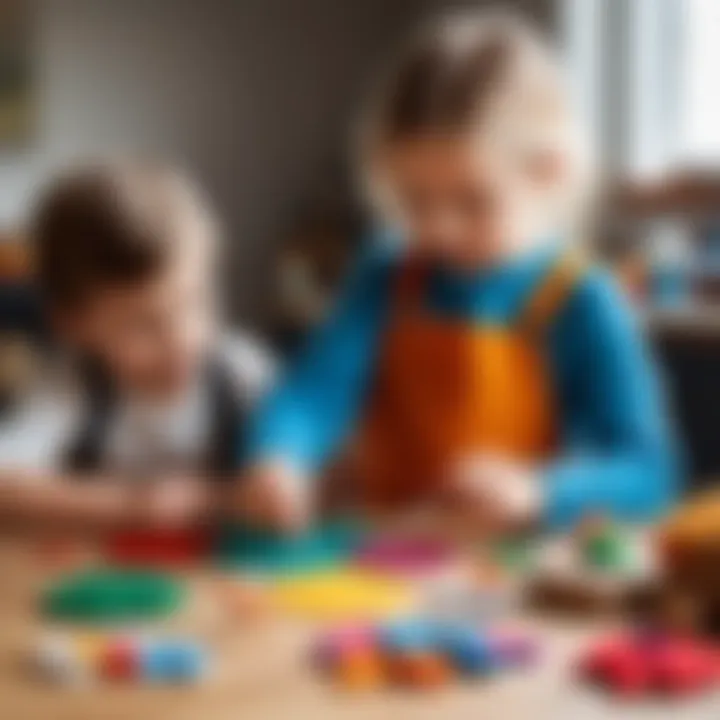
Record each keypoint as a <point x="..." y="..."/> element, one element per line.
<point x="150" y="412"/>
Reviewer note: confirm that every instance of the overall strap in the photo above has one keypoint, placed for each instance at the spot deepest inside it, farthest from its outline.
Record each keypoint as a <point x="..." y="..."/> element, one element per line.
<point x="86" y="451"/>
<point x="228" y="412"/>
<point x="550" y="294"/>
<point x="227" y="418"/>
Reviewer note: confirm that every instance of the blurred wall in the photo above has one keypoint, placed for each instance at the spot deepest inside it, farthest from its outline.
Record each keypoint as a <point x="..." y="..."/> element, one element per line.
<point x="253" y="96"/>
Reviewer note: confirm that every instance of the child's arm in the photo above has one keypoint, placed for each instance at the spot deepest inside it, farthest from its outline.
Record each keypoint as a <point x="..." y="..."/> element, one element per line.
<point x="315" y="406"/>
<point x="620" y="457"/>
<point x="31" y="500"/>
<point x="617" y="456"/>
<point x="28" y="498"/>
<point x="34" y="493"/>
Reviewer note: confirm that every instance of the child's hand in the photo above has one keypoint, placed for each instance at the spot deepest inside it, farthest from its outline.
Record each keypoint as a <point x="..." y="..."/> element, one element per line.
<point x="494" y="493"/>
<point x="273" y="494"/>
<point x="173" y="502"/>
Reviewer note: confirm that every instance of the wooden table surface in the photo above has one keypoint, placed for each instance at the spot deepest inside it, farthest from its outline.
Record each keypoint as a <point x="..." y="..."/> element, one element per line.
<point x="262" y="672"/>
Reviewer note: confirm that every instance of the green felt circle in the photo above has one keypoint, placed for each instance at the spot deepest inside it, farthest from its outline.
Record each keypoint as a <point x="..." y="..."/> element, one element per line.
<point x="102" y="595"/>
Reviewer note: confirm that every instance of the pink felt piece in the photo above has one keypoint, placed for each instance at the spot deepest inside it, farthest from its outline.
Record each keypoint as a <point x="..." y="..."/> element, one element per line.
<point x="406" y="555"/>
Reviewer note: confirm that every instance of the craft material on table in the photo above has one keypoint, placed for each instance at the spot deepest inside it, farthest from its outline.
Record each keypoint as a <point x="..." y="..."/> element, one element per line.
<point x="158" y="547"/>
<point x="471" y="596"/>
<point x="418" y="653"/>
<point x="606" y="572"/>
<point x="407" y="555"/>
<point x="341" y="641"/>
<point x="646" y="661"/>
<point x="112" y="595"/>
<point x="266" y="552"/>
<point x="605" y="546"/>
<point x="77" y="658"/>
<point x="343" y="594"/>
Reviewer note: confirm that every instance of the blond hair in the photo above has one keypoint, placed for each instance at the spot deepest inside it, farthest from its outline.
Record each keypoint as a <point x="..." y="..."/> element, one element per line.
<point x="478" y="71"/>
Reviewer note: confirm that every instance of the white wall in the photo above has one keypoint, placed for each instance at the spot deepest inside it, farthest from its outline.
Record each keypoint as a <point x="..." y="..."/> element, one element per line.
<point x="253" y="96"/>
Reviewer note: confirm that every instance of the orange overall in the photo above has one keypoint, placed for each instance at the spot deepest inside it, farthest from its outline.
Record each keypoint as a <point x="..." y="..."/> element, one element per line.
<point x="446" y="389"/>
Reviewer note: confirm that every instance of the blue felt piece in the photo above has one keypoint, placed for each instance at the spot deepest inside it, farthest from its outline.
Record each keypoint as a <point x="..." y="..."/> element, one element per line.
<point x="173" y="661"/>
<point x="263" y="551"/>
<point x="468" y="650"/>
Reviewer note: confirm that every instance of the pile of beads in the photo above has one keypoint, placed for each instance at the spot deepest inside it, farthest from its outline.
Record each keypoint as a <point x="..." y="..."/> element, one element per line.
<point x="78" y="658"/>
<point x="418" y="653"/>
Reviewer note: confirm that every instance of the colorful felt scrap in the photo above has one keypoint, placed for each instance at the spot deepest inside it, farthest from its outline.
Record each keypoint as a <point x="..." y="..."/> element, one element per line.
<point x="159" y="547"/>
<point x="407" y="555"/>
<point x="112" y="595"/>
<point x="266" y="552"/>
<point x="342" y="595"/>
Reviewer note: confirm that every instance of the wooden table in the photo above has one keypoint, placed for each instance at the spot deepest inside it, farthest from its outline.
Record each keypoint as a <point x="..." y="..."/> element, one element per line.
<point x="263" y="673"/>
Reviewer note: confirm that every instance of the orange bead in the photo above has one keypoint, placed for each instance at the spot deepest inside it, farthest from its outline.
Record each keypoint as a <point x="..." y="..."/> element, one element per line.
<point x="360" y="670"/>
<point x="420" y="670"/>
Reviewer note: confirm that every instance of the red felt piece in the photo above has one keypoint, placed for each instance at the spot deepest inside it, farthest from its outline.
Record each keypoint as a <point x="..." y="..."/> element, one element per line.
<point x="158" y="547"/>
<point x="637" y="663"/>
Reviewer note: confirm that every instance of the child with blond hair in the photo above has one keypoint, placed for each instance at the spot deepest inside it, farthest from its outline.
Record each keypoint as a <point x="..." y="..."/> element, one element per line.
<point x="474" y="358"/>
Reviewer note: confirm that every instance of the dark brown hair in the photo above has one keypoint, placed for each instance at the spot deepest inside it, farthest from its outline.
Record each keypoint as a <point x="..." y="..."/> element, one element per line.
<point x="110" y="225"/>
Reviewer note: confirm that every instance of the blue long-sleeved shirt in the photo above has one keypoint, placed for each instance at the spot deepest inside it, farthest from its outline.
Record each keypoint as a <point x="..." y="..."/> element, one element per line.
<point x="617" y="455"/>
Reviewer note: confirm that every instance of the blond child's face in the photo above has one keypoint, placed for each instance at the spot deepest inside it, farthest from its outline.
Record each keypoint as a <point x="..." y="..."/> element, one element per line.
<point x="152" y="336"/>
<point x="467" y="201"/>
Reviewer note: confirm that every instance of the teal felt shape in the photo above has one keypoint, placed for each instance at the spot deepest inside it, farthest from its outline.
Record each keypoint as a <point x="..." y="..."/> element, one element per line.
<point x="323" y="546"/>
<point x="112" y="596"/>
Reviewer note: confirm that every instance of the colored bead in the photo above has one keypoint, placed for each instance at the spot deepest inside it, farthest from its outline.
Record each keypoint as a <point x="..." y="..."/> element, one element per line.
<point x="120" y="661"/>
<point x="419" y="670"/>
<point x="469" y="651"/>
<point x="603" y="545"/>
<point x="342" y="641"/>
<point x="172" y="660"/>
<point x="55" y="659"/>
<point x="513" y="649"/>
<point x="405" y="636"/>
<point x="360" y="670"/>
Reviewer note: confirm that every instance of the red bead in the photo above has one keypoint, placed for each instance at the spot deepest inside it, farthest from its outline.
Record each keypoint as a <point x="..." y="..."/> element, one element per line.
<point x="120" y="661"/>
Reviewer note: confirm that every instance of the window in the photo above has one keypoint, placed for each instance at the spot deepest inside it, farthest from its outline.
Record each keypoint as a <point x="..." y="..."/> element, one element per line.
<point x="699" y="107"/>
<point x="645" y="73"/>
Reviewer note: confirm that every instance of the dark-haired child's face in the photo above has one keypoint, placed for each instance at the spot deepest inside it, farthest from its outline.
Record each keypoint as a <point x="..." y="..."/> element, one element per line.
<point x="152" y="335"/>
<point x="463" y="202"/>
